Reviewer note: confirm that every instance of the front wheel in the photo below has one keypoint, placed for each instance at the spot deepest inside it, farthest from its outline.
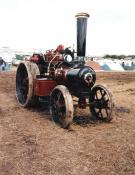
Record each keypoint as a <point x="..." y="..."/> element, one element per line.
<point x="101" y="103"/>
<point x="62" y="106"/>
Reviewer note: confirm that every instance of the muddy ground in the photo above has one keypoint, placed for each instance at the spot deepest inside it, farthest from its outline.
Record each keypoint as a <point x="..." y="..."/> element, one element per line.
<point x="32" y="144"/>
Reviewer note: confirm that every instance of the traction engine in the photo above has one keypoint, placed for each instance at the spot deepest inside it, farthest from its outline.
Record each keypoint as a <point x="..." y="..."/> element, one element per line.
<point x="61" y="76"/>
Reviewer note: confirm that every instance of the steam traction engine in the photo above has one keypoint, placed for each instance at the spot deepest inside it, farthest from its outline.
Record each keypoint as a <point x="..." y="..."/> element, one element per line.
<point x="61" y="75"/>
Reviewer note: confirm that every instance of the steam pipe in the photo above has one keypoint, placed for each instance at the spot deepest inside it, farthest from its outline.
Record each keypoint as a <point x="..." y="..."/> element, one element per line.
<point x="81" y="33"/>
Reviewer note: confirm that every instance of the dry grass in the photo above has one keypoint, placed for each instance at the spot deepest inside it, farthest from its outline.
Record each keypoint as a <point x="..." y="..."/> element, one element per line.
<point x="31" y="144"/>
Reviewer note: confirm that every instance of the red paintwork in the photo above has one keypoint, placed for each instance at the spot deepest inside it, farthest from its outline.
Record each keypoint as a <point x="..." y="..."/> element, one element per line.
<point x="43" y="87"/>
<point x="60" y="48"/>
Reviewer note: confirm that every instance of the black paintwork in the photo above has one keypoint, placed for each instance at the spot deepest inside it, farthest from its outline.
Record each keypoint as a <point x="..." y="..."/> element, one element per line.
<point x="81" y="36"/>
<point x="76" y="82"/>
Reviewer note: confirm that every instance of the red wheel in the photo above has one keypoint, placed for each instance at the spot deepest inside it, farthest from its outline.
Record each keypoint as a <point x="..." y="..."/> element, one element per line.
<point x="26" y="73"/>
<point x="62" y="106"/>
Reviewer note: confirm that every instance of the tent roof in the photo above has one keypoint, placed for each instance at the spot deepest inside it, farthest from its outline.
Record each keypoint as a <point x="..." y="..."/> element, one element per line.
<point x="112" y="66"/>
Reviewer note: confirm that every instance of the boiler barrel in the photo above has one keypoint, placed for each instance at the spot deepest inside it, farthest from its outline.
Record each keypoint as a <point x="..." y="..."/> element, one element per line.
<point x="78" y="77"/>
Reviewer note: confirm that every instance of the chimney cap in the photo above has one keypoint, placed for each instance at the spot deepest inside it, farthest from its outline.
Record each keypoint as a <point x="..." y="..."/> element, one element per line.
<point x="82" y="15"/>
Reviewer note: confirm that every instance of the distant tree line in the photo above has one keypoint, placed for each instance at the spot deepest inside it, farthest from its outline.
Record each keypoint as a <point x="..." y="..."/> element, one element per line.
<point x="118" y="56"/>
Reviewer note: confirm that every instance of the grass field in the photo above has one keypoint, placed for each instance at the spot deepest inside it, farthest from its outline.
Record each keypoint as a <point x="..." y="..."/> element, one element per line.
<point x="32" y="144"/>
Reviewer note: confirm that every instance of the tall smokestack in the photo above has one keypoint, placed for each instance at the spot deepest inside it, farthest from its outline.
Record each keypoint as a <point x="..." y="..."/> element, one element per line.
<point x="81" y="33"/>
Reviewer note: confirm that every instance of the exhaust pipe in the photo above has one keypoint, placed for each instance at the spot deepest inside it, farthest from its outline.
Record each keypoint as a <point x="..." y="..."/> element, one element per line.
<point x="81" y="33"/>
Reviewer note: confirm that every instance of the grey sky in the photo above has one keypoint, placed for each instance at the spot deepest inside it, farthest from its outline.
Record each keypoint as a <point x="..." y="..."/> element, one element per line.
<point x="43" y="24"/>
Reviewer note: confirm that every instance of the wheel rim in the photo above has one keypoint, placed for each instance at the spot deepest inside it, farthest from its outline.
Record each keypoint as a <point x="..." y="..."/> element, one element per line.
<point x="101" y="103"/>
<point x="22" y="84"/>
<point x="61" y="106"/>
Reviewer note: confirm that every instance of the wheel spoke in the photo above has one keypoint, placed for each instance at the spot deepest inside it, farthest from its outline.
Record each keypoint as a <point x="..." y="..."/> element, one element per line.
<point x="96" y="95"/>
<point x="102" y="94"/>
<point x="106" y="112"/>
<point x="58" y="96"/>
<point x="100" y="112"/>
<point x="107" y="107"/>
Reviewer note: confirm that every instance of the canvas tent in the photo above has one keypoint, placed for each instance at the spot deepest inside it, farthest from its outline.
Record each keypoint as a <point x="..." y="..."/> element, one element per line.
<point x="128" y="65"/>
<point x="109" y="65"/>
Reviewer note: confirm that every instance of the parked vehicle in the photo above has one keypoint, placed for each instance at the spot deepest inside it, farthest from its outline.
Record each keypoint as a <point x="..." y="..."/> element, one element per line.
<point x="61" y="75"/>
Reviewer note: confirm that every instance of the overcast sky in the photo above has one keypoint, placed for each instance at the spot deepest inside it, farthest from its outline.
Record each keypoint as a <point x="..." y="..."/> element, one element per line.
<point x="44" y="24"/>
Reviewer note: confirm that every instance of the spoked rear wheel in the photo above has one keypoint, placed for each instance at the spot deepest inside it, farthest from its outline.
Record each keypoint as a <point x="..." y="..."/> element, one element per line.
<point x="101" y="103"/>
<point x="26" y="73"/>
<point x="62" y="106"/>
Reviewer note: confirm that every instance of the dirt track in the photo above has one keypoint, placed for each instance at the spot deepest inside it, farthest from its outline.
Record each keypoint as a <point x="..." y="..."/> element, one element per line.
<point x="32" y="144"/>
